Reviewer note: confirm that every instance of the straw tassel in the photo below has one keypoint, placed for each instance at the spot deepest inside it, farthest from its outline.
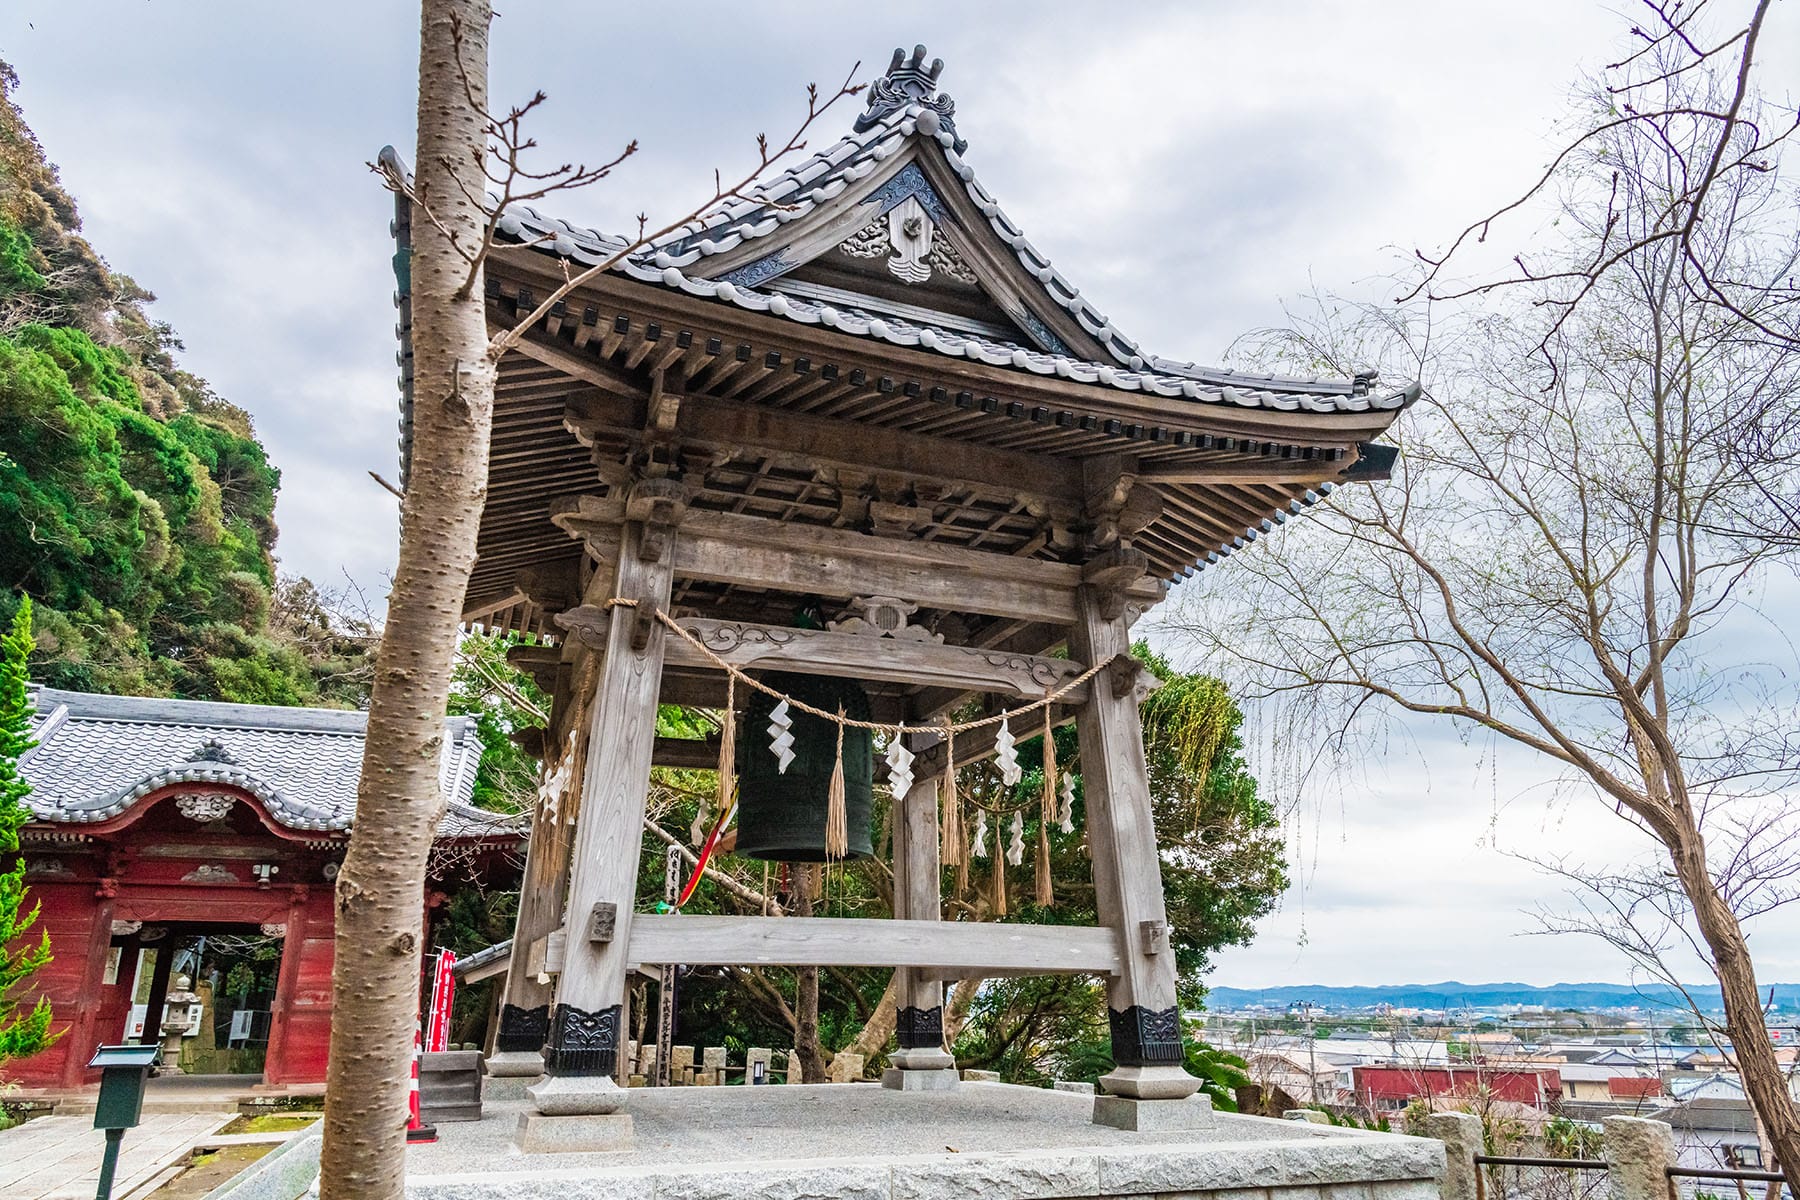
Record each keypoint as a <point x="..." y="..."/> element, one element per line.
<point x="837" y="823"/>
<point x="950" y="834"/>
<point x="1046" y="894"/>
<point x="998" y="878"/>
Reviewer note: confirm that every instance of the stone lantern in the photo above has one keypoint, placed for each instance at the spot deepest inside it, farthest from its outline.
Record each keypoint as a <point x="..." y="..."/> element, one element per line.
<point x="180" y="1008"/>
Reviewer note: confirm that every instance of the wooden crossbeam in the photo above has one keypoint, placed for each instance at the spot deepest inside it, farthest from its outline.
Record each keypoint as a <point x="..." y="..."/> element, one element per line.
<point x="852" y="656"/>
<point x="950" y="946"/>
<point x="808" y="443"/>
<point x="757" y="552"/>
<point x="693" y="754"/>
<point x="706" y="689"/>
<point x="799" y="440"/>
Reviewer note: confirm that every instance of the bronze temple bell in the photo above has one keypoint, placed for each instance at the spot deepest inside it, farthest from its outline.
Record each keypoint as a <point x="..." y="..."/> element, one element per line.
<point x="781" y="815"/>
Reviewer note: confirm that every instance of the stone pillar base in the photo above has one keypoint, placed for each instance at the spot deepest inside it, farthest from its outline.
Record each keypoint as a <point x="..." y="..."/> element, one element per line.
<point x="901" y="1079"/>
<point x="576" y="1095"/>
<point x="1149" y="1083"/>
<point x="515" y="1064"/>
<point x="504" y="1088"/>
<point x="588" y="1134"/>
<point x="923" y="1058"/>
<point x="1153" y="1116"/>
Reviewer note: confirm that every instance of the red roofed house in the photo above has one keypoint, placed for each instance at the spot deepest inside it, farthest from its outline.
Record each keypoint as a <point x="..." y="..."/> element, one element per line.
<point x="1390" y="1087"/>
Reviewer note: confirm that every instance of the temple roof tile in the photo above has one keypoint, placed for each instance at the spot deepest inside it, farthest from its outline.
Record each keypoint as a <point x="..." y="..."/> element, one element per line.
<point x="905" y="107"/>
<point x="97" y="756"/>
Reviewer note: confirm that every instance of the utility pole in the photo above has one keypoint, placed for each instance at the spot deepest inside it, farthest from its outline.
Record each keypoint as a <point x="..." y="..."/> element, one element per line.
<point x="1312" y="1066"/>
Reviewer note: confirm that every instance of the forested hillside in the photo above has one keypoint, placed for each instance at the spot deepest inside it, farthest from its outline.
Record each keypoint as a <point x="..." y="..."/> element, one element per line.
<point x="136" y="505"/>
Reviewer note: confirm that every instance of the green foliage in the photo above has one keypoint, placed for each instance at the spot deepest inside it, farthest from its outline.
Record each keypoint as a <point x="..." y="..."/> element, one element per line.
<point x="503" y="701"/>
<point x="1378" y="1123"/>
<point x="26" y="1032"/>
<point x="18" y="273"/>
<point x="136" y="507"/>
<point x="472" y="919"/>
<point x="1564" y="1138"/>
<point x="1224" y="860"/>
<point x="1220" y="1073"/>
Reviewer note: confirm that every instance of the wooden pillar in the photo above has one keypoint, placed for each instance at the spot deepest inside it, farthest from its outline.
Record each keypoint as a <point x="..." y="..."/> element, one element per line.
<point x="159" y="989"/>
<point x="287" y="983"/>
<point x="1146" y="1021"/>
<point x="582" y="1049"/>
<point x="82" y="1037"/>
<point x="918" y="877"/>
<point x="524" y="1002"/>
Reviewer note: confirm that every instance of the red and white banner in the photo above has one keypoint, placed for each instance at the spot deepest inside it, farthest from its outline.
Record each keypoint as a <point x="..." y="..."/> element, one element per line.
<point x="443" y="992"/>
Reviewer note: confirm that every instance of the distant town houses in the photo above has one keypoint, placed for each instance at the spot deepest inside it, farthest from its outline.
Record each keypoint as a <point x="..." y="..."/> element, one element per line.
<point x="1533" y="1069"/>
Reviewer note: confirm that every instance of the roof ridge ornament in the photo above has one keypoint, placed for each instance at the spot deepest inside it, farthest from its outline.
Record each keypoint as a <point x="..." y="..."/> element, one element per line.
<point x="910" y="81"/>
<point x="212" y="750"/>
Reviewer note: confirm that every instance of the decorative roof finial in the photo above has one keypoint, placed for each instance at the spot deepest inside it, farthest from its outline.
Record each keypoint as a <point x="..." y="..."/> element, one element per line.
<point x="908" y="82"/>
<point x="212" y="750"/>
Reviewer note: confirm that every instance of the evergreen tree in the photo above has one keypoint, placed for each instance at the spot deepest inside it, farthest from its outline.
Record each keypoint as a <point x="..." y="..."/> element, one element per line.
<point x="21" y="1033"/>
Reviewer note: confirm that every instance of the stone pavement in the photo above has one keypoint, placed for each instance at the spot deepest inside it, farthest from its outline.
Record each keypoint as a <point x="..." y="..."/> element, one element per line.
<point x="864" y="1142"/>
<point x="179" y="1094"/>
<point x="58" y="1158"/>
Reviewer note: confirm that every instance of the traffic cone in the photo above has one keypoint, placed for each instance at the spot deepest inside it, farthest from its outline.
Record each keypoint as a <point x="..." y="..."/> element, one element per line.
<point x="416" y="1128"/>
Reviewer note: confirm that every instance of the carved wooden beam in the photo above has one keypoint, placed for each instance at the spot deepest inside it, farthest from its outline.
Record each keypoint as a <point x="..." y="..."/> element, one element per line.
<point x="1113" y="577"/>
<point x="706" y="689"/>
<point x="757" y="552"/>
<point x="852" y="655"/>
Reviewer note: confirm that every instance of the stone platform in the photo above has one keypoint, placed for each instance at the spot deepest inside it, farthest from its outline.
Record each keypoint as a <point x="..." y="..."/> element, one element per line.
<point x="988" y="1141"/>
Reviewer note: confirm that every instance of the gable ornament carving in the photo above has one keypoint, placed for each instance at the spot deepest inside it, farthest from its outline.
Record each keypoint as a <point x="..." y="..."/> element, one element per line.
<point x="204" y="807"/>
<point x="907" y="236"/>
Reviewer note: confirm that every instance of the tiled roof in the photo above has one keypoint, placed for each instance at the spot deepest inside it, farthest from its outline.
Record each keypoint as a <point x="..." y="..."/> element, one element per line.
<point x="905" y="106"/>
<point x="97" y="755"/>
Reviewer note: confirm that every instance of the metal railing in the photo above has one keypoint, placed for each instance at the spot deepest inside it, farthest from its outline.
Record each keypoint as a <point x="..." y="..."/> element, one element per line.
<point x="1510" y="1160"/>
<point x="1737" y="1175"/>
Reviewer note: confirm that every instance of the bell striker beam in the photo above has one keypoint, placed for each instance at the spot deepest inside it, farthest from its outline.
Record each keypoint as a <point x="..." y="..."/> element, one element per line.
<point x="1148" y="1053"/>
<point x="585" y="1035"/>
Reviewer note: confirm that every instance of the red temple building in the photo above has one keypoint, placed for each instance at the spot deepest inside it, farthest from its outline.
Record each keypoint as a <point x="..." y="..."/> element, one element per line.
<point x="181" y="838"/>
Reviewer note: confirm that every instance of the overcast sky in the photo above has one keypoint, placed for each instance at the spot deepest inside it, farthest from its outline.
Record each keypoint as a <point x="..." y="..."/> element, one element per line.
<point x="1190" y="166"/>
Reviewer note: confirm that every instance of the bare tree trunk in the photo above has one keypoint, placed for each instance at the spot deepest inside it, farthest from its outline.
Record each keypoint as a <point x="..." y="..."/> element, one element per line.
<point x="956" y="1009"/>
<point x="806" y="1002"/>
<point x="1750" y="1047"/>
<point x="375" y="982"/>
<point x="876" y="1031"/>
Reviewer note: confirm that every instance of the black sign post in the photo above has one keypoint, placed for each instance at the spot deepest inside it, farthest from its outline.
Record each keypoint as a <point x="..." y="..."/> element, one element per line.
<point x="123" y="1071"/>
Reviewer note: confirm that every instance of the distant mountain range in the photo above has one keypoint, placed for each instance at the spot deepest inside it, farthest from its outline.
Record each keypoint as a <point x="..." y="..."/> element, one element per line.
<point x="1489" y="995"/>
